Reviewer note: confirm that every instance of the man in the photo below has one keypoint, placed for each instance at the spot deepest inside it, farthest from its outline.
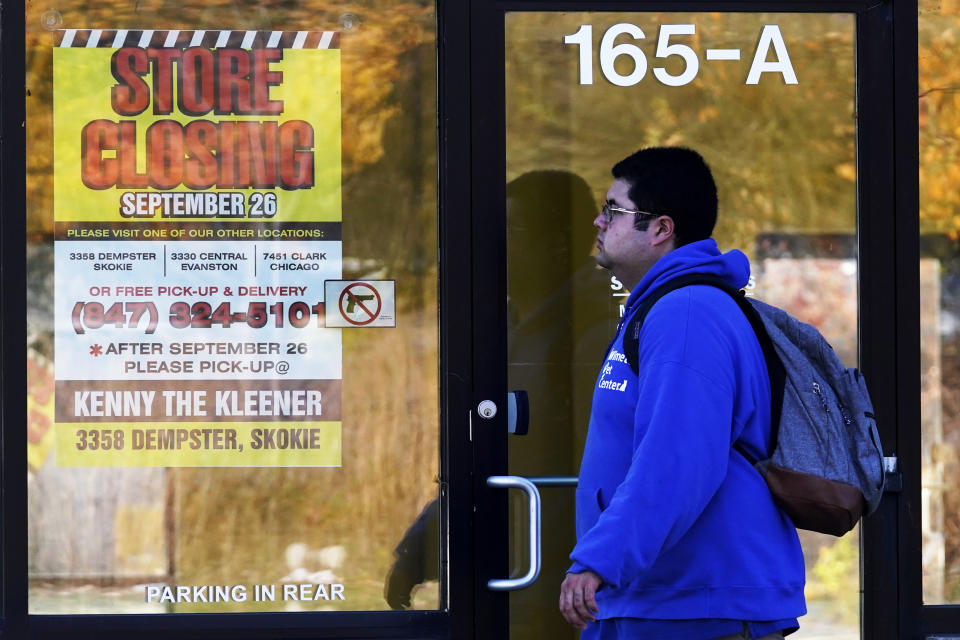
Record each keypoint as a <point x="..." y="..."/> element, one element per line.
<point x="678" y="537"/>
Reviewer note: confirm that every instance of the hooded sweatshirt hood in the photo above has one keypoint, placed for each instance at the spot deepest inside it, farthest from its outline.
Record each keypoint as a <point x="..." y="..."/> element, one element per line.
<point x="702" y="257"/>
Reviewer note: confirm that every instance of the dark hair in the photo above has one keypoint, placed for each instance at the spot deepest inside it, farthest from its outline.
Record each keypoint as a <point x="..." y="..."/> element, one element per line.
<point x="675" y="182"/>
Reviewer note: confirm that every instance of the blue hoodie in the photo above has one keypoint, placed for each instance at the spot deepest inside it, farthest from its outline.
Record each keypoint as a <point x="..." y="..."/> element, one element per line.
<point x="678" y="524"/>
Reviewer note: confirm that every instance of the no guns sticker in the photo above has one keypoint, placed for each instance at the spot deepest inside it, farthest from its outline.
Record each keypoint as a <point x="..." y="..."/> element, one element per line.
<point x="360" y="303"/>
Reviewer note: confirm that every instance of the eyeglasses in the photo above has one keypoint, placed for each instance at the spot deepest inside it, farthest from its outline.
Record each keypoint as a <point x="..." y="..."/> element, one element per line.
<point x="608" y="211"/>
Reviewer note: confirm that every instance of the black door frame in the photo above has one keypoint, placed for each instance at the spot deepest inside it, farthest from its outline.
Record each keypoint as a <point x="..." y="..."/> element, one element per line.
<point x="472" y="288"/>
<point x="888" y="251"/>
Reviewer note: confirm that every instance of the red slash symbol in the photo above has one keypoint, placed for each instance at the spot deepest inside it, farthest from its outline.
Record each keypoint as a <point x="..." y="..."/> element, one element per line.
<point x="355" y="297"/>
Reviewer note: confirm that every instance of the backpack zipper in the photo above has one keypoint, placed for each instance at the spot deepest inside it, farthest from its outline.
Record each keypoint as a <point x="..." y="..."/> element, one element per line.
<point x="819" y="394"/>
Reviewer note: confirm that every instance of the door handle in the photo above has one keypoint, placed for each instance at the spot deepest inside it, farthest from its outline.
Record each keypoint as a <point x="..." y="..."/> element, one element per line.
<point x="518" y="412"/>
<point x="533" y="540"/>
<point x="555" y="481"/>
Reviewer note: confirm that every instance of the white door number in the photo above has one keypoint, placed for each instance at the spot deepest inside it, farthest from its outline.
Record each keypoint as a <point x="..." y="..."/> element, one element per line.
<point x="770" y="38"/>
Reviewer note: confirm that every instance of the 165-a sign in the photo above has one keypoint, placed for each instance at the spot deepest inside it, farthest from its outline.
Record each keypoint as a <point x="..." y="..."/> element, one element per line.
<point x="770" y="39"/>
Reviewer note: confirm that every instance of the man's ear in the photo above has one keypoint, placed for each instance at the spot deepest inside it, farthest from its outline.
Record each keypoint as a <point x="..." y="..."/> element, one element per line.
<point x="663" y="228"/>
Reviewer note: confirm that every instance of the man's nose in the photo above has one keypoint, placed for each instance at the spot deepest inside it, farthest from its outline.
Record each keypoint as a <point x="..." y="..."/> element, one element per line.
<point x="600" y="222"/>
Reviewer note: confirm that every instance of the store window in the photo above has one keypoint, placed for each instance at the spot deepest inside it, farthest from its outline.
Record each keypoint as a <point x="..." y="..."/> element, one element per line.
<point x="232" y="306"/>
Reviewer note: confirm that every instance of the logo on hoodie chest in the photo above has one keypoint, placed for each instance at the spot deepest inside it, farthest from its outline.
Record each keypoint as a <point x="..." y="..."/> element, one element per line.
<point x="608" y="378"/>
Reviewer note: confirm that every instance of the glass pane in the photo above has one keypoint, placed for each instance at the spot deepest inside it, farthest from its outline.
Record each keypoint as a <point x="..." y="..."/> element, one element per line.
<point x="939" y="74"/>
<point x="232" y="269"/>
<point x="783" y="156"/>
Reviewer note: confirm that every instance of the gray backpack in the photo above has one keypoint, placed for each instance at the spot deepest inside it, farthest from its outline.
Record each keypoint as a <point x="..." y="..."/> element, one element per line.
<point x="825" y="468"/>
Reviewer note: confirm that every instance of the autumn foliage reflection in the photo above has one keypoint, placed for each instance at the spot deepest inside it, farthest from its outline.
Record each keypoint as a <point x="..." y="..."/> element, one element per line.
<point x="113" y="528"/>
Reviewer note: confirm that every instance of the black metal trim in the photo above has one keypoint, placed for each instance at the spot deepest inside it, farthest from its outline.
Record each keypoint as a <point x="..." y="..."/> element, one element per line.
<point x="723" y="6"/>
<point x="353" y="624"/>
<point x="13" y="332"/>
<point x="876" y="191"/>
<point x="456" y="320"/>
<point x="940" y="620"/>
<point x="488" y="197"/>
<point x="472" y="277"/>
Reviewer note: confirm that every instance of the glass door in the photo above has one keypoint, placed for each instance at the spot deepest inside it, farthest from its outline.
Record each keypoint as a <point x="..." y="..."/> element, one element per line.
<point x="769" y="100"/>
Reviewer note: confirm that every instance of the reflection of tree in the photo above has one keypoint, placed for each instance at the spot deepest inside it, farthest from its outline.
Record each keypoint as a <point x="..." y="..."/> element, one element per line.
<point x="939" y="118"/>
<point x="390" y="203"/>
<point x="940" y="395"/>
<point x="783" y="155"/>
<point x="939" y="105"/>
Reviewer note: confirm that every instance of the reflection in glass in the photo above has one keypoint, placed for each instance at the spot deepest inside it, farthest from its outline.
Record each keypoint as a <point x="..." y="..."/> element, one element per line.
<point x="783" y="156"/>
<point x="939" y="107"/>
<point x="560" y="315"/>
<point x="99" y="537"/>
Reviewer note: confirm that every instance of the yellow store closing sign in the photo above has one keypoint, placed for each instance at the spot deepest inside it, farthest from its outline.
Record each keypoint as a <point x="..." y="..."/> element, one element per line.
<point x="197" y="215"/>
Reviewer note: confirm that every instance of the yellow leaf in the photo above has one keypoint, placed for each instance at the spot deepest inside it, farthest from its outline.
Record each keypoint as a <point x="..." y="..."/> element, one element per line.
<point x="847" y="171"/>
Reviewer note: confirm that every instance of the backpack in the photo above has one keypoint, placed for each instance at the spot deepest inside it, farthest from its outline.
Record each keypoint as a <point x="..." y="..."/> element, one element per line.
<point x="825" y="469"/>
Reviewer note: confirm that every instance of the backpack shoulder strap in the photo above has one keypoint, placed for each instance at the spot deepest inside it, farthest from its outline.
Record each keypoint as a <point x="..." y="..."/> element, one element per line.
<point x="775" y="369"/>
<point x="631" y="335"/>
